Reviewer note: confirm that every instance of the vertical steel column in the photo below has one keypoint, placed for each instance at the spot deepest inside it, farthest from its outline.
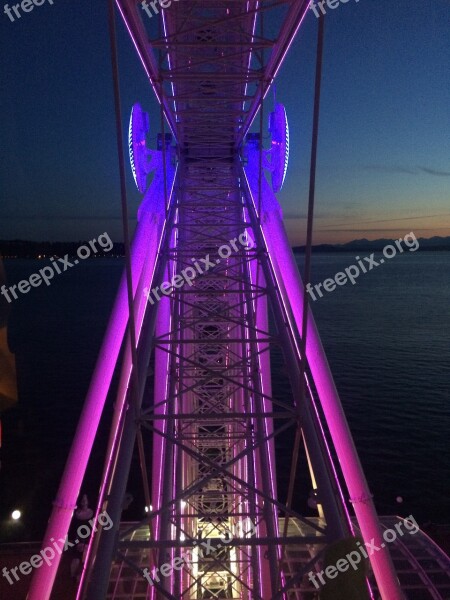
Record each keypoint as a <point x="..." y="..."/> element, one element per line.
<point x="161" y="393"/>
<point x="338" y="525"/>
<point x="289" y="280"/>
<point x="98" y="585"/>
<point x="148" y="227"/>
<point x="261" y="322"/>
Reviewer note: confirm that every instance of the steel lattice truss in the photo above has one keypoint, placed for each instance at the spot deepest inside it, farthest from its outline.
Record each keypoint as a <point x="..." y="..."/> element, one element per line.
<point x="211" y="63"/>
<point x="213" y="433"/>
<point x="212" y="421"/>
<point x="215" y="386"/>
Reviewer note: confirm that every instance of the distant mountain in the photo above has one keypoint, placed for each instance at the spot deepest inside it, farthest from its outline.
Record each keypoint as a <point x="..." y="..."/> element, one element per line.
<point x="27" y="249"/>
<point x="363" y="245"/>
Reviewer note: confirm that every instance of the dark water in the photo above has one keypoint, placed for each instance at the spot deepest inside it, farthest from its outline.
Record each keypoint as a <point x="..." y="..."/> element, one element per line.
<point x="387" y="340"/>
<point x="388" y="343"/>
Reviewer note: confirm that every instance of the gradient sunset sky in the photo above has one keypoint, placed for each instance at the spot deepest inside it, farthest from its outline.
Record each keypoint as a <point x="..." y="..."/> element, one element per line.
<point x="384" y="144"/>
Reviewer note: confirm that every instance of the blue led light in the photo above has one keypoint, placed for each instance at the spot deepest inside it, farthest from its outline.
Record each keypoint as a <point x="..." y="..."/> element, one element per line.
<point x="279" y="128"/>
<point x="137" y="133"/>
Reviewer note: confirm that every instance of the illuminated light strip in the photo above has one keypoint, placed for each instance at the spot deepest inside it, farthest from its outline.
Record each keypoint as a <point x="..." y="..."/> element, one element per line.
<point x="286" y="156"/>
<point x="160" y="100"/>
<point x="288" y="314"/>
<point x="176" y="450"/>
<point x="314" y="406"/>
<point x="251" y="51"/>
<point x="127" y="367"/>
<point x="261" y="561"/>
<point x="137" y="149"/>
<point x="137" y="50"/>
<point x="279" y="551"/>
<point x="170" y="66"/>
<point x="161" y="440"/>
<point x="279" y="153"/>
<point x="123" y="387"/>
<point x="130" y="147"/>
<point x="292" y="327"/>
<point x="366" y="515"/>
<point x="267" y="405"/>
<point x="280" y="62"/>
<point x="71" y="481"/>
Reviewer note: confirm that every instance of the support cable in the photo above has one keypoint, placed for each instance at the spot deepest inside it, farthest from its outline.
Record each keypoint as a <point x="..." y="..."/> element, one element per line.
<point x="134" y="381"/>
<point x="123" y="189"/>
<point x="134" y="378"/>
<point x="307" y="274"/>
<point x="163" y="135"/>
<point x="261" y="123"/>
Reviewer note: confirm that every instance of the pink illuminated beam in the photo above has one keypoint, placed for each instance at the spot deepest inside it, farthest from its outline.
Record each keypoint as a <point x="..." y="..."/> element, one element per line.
<point x="262" y="324"/>
<point x="148" y="270"/>
<point x="286" y="36"/>
<point x="129" y="11"/>
<point x="150" y="223"/>
<point x="291" y="286"/>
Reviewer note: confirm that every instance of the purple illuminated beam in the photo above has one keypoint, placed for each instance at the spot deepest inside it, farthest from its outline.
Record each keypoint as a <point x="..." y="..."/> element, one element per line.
<point x="130" y="12"/>
<point x="140" y="306"/>
<point x="150" y="224"/>
<point x="286" y="36"/>
<point x="262" y="325"/>
<point x="291" y="286"/>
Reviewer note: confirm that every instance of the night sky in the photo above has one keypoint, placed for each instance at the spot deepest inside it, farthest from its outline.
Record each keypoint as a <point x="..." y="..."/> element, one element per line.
<point x="384" y="145"/>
